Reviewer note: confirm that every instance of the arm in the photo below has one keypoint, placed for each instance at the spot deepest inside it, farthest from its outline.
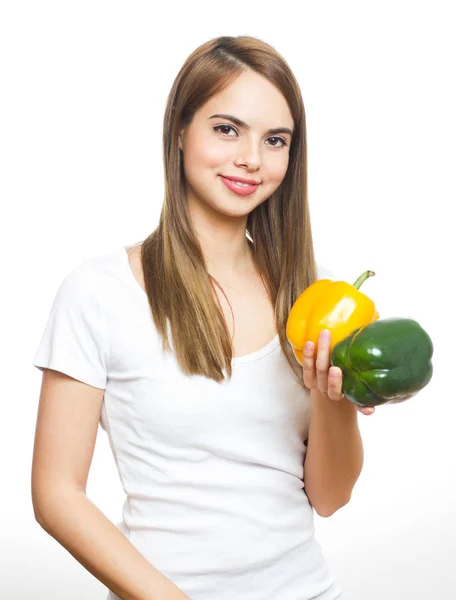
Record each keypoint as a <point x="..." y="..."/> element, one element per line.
<point x="65" y="438"/>
<point x="94" y="541"/>
<point x="334" y="457"/>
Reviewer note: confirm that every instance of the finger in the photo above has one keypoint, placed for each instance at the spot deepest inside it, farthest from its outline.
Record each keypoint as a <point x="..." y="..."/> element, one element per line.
<point x="366" y="410"/>
<point x="335" y="383"/>
<point x="308" y="365"/>
<point x="322" y="362"/>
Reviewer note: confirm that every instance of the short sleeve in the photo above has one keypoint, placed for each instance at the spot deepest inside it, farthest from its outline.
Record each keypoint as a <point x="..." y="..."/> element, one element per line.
<point x="74" y="340"/>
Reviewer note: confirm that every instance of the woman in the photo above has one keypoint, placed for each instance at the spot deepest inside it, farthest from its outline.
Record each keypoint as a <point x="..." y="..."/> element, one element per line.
<point x="177" y="347"/>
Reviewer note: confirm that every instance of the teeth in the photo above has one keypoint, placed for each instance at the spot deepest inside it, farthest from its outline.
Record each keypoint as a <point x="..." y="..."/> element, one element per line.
<point x="241" y="184"/>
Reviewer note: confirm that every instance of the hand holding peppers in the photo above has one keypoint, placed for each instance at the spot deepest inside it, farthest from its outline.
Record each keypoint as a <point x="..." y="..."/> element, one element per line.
<point x="367" y="360"/>
<point x="319" y="374"/>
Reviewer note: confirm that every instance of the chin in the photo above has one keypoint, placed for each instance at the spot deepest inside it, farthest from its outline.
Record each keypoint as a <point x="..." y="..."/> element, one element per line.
<point x="233" y="211"/>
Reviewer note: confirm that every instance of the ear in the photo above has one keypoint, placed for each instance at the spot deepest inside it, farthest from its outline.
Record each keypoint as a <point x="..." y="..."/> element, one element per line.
<point x="181" y="135"/>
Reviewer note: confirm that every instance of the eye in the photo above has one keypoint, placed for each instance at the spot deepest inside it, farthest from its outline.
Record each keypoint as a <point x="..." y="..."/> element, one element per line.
<point x="284" y="143"/>
<point x="230" y="127"/>
<point x="220" y="127"/>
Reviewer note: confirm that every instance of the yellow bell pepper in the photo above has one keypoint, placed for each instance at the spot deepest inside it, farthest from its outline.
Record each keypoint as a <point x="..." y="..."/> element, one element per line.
<point x="326" y="304"/>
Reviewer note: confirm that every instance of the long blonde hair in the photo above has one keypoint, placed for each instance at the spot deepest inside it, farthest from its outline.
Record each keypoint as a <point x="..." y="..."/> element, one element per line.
<point x="178" y="286"/>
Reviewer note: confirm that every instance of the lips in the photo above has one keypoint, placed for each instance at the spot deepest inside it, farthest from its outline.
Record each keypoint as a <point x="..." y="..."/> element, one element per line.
<point x="240" y="190"/>
<point x="241" y="180"/>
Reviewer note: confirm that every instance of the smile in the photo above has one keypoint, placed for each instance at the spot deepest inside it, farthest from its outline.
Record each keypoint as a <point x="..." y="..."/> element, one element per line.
<point x="242" y="189"/>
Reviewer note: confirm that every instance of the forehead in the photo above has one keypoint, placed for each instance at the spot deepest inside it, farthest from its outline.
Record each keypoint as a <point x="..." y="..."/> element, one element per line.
<point x="253" y="99"/>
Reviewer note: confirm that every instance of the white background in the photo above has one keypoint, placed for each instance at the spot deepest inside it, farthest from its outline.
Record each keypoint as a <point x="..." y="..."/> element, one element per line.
<point x="84" y="86"/>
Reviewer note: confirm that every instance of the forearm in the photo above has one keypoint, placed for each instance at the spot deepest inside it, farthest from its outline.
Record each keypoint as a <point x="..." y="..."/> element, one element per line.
<point x="334" y="457"/>
<point x="78" y="525"/>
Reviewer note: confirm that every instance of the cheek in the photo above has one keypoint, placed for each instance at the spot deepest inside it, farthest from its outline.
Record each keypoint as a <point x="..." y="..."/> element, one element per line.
<point x="276" y="169"/>
<point x="203" y="153"/>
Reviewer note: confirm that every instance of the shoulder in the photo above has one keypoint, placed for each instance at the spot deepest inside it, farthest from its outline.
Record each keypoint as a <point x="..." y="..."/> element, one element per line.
<point x="134" y="259"/>
<point x="83" y="277"/>
<point x="323" y="272"/>
<point x="86" y="284"/>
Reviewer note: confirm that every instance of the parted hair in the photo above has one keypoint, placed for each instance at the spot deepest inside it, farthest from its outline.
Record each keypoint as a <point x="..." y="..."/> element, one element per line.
<point x="179" y="288"/>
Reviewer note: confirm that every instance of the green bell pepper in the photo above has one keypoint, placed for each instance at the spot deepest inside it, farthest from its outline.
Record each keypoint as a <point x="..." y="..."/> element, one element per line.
<point x="385" y="362"/>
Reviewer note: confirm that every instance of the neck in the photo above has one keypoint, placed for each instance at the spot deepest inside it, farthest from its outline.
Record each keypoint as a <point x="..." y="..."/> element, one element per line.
<point x="227" y="258"/>
<point x="225" y="247"/>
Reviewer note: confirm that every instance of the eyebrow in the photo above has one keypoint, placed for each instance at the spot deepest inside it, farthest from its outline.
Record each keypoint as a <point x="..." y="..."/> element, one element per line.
<point x="240" y="123"/>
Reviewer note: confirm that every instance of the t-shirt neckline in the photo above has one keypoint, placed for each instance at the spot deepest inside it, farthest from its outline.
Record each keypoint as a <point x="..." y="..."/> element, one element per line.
<point x="255" y="355"/>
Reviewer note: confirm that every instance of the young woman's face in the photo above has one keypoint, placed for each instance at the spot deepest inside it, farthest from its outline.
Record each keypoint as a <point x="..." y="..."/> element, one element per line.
<point x="217" y="147"/>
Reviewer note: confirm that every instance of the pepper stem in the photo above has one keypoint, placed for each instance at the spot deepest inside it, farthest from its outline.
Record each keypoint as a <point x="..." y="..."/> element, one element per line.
<point x="362" y="278"/>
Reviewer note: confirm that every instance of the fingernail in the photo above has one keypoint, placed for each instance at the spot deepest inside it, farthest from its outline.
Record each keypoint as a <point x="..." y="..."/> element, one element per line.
<point x="325" y="335"/>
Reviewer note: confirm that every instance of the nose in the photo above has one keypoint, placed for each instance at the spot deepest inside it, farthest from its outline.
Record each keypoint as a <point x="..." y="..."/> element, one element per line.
<point x="248" y="156"/>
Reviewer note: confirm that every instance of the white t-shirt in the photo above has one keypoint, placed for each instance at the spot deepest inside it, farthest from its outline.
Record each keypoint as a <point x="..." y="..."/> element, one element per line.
<point x="212" y="472"/>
